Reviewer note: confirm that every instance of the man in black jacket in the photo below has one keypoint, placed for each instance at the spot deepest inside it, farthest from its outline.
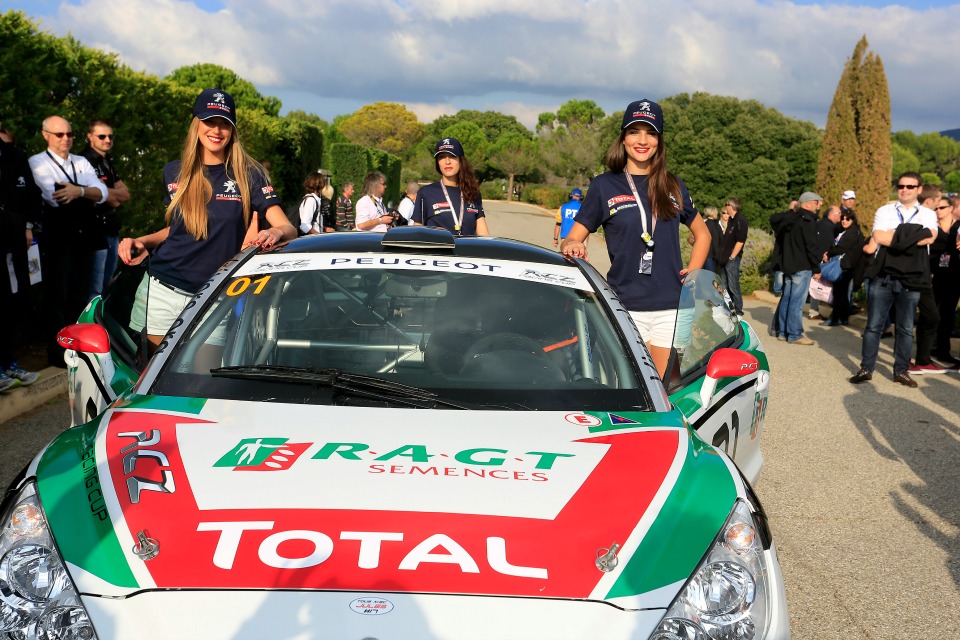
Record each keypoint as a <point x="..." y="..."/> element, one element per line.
<point x="898" y="275"/>
<point x="800" y="262"/>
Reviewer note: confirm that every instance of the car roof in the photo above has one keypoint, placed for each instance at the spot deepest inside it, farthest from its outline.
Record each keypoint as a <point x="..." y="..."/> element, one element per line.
<point x="427" y="241"/>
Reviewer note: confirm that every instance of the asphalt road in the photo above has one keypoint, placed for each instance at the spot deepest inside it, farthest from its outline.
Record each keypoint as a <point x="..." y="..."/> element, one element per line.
<point x="861" y="483"/>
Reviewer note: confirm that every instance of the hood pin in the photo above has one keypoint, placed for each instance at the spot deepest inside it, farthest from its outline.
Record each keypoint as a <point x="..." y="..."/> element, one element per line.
<point x="607" y="558"/>
<point x="148" y="548"/>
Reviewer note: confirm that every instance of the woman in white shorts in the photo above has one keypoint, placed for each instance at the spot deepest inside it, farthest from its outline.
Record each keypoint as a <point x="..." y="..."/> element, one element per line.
<point x="214" y="193"/>
<point x="640" y="206"/>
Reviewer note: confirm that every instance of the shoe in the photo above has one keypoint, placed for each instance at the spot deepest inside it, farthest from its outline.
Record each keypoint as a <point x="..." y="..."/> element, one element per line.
<point x="945" y="358"/>
<point x="855" y="309"/>
<point x="830" y="323"/>
<point x="925" y="368"/>
<point x="806" y="342"/>
<point x="864" y="375"/>
<point x="904" y="378"/>
<point x="782" y="338"/>
<point x="25" y="377"/>
<point x="7" y="383"/>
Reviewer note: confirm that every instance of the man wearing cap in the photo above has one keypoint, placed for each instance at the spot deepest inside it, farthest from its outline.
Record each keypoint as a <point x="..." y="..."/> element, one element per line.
<point x="800" y="261"/>
<point x="69" y="238"/>
<point x="848" y="200"/>
<point x="565" y="215"/>
<point x="900" y="271"/>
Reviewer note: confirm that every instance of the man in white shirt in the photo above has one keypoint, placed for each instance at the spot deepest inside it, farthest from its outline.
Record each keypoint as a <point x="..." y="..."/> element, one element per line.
<point x="69" y="235"/>
<point x="409" y="198"/>
<point x="371" y="214"/>
<point x="900" y="272"/>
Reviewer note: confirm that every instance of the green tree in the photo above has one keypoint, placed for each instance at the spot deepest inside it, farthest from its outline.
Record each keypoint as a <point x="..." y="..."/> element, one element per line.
<point x="935" y="153"/>
<point x="571" y="141"/>
<point x="951" y="182"/>
<point x="723" y="147"/>
<point x="903" y="159"/>
<point x="386" y="126"/>
<point x="207" y="75"/>
<point x="514" y="154"/>
<point x="856" y="151"/>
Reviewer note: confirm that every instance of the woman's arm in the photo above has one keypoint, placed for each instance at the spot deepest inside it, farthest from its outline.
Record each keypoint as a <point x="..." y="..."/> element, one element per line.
<point x="573" y="245"/>
<point x="701" y="245"/>
<point x="280" y="229"/>
<point x="135" y="250"/>
<point x="482" y="229"/>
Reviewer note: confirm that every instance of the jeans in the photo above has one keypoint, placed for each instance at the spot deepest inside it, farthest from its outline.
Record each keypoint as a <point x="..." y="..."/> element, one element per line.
<point x="882" y="298"/>
<point x="796" y="286"/>
<point x="96" y="275"/>
<point x="730" y="277"/>
<point x="110" y="266"/>
<point x="777" y="282"/>
<point x="710" y="265"/>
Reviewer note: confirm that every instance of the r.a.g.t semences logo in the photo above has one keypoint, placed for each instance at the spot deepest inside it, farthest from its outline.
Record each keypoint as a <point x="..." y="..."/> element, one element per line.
<point x="263" y="454"/>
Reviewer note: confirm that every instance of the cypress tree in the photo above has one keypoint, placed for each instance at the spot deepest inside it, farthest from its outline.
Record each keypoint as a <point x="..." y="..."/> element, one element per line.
<point x="856" y="152"/>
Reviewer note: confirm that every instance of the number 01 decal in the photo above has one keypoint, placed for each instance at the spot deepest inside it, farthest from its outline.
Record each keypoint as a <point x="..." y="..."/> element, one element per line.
<point x="241" y="284"/>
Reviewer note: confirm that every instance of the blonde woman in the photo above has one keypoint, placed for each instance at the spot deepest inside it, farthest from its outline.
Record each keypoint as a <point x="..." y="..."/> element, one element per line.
<point x="214" y="194"/>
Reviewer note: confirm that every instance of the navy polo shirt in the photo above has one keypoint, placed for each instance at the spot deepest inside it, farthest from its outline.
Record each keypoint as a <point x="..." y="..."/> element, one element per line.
<point x="185" y="262"/>
<point x="610" y="204"/>
<point x="432" y="209"/>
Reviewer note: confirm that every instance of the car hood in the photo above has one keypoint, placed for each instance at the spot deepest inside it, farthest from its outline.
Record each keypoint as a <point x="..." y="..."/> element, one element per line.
<point x="242" y="495"/>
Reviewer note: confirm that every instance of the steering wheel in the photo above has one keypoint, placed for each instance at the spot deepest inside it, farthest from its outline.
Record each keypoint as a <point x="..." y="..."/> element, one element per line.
<point x="504" y="342"/>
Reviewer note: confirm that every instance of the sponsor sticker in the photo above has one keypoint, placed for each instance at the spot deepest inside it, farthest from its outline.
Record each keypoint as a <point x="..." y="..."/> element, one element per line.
<point x="371" y="606"/>
<point x="583" y="420"/>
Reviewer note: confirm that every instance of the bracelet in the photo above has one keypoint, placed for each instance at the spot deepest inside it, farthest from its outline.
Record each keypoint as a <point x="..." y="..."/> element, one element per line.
<point x="82" y="192"/>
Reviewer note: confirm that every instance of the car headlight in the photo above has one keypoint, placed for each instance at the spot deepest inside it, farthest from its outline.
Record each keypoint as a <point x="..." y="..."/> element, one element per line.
<point x="727" y="598"/>
<point x="37" y="598"/>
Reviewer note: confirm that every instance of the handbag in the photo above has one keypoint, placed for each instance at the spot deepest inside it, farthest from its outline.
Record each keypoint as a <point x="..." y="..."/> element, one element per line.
<point x="831" y="270"/>
<point x="822" y="291"/>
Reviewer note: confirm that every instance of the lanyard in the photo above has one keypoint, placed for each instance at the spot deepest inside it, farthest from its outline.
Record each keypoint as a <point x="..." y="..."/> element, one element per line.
<point x="60" y="166"/>
<point x="900" y="215"/>
<point x="456" y="221"/>
<point x="378" y="205"/>
<point x="646" y="237"/>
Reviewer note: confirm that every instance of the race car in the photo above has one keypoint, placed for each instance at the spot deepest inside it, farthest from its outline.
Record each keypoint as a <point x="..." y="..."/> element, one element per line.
<point x="400" y="435"/>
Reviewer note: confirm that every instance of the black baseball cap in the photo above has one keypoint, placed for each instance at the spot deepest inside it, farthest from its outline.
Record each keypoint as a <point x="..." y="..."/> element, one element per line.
<point x="451" y="146"/>
<point x="215" y="103"/>
<point x="643" y="111"/>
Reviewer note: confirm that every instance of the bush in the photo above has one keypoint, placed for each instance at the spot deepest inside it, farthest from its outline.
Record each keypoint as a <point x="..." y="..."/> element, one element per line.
<point x="545" y="195"/>
<point x="755" y="270"/>
<point x="493" y="190"/>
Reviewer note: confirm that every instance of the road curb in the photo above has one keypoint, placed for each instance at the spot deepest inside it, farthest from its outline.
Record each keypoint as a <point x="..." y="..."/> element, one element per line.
<point x="52" y="383"/>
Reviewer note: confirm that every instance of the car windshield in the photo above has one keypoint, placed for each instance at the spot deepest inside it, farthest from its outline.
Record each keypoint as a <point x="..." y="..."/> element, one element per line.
<point x="362" y="329"/>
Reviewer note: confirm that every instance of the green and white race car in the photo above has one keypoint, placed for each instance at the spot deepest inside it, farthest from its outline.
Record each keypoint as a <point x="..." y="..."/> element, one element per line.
<point x="400" y="435"/>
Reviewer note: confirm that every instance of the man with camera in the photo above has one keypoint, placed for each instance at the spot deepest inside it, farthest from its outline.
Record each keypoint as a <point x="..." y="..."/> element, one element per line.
<point x="69" y="234"/>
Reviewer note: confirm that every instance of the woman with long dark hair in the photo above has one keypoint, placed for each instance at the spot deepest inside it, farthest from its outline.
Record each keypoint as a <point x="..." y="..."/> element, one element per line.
<point x="849" y="245"/>
<point x="453" y="202"/>
<point x="215" y="194"/>
<point x="640" y="206"/>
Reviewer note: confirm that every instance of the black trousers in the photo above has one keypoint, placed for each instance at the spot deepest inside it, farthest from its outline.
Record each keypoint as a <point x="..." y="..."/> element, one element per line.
<point x="926" y="325"/>
<point x="66" y="269"/>
<point x="946" y="291"/>
<point x="841" y="300"/>
<point x="14" y="307"/>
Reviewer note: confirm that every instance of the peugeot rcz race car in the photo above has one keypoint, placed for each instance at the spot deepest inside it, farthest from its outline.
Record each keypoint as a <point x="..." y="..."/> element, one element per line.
<point x="400" y="435"/>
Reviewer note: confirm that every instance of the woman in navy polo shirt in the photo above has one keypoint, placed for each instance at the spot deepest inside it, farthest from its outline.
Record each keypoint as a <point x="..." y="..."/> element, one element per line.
<point x="214" y="194"/>
<point x="640" y="206"/>
<point x="453" y="202"/>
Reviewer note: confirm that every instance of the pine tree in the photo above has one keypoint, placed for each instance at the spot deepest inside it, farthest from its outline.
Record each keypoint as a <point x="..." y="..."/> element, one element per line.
<point x="856" y="152"/>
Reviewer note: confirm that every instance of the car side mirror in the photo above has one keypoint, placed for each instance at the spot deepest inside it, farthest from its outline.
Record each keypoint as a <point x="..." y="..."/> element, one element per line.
<point x="726" y="363"/>
<point x="88" y="338"/>
<point x="88" y="355"/>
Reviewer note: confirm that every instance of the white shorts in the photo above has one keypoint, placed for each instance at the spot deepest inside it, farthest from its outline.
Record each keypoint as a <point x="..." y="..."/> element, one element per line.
<point x="656" y="327"/>
<point x="164" y="306"/>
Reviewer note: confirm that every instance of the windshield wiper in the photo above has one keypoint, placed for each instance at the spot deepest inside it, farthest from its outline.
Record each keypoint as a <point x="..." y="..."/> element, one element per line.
<point x="352" y="383"/>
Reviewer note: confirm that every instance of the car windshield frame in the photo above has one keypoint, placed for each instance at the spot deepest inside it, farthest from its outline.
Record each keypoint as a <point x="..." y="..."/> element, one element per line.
<point x="474" y="333"/>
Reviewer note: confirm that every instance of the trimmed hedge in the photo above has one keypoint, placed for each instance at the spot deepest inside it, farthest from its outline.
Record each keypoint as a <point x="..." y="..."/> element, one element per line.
<point x="352" y="162"/>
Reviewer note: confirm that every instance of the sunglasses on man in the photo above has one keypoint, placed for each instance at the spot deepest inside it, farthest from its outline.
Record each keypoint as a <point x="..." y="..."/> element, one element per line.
<point x="104" y="136"/>
<point x="60" y="134"/>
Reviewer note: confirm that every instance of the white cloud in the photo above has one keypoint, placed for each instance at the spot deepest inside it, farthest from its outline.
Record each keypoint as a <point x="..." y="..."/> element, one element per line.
<point x="469" y="53"/>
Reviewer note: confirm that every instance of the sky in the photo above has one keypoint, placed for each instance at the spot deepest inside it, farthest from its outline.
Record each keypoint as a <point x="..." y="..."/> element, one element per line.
<point x="523" y="58"/>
